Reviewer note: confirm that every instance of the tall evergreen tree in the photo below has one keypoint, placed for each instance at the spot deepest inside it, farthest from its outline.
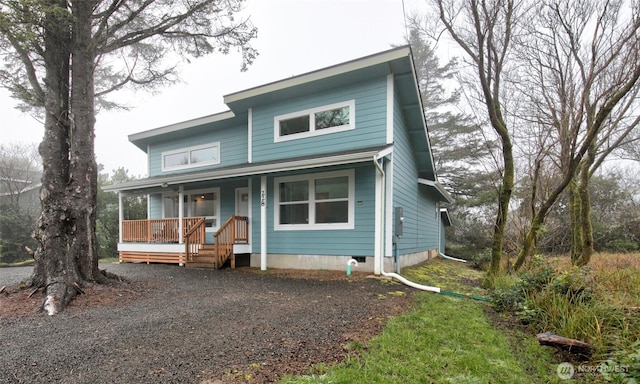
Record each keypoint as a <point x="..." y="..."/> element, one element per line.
<point x="460" y="151"/>
<point x="61" y="56"/>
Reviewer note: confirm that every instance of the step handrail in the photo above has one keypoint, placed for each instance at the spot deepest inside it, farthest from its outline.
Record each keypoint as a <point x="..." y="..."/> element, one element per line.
<point x="234" y="230"/>
<point x="194" y="238"/>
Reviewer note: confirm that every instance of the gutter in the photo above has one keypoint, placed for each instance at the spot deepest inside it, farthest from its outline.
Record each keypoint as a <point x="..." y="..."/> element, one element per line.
<point x="403" y="280"/>
<point x="390" y="274"/>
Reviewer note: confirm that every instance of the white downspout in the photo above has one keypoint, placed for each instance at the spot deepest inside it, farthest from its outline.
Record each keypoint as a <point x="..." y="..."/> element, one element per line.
<point x="380" y="247"/>
<point x="441" y="253"/>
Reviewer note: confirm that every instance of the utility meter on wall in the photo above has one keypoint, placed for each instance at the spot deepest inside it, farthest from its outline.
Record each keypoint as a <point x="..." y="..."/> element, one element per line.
<point x="399" y="221"/>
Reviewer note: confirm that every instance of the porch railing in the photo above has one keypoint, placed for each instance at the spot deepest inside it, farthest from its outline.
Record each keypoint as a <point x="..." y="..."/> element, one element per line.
<point x="194" y="238"/>
<point x="234" y="230"/>
<point x="156" y="230"/>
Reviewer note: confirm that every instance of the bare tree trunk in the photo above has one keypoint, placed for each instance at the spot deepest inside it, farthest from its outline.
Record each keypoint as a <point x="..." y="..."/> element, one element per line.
<point x="538" y="219"/>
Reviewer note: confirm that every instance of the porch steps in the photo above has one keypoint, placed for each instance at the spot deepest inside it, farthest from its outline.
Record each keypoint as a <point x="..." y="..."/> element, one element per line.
<point x="208" y="257"/>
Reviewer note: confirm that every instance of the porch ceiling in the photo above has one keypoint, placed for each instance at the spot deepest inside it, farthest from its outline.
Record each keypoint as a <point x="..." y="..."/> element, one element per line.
<point x="248" y="169"/>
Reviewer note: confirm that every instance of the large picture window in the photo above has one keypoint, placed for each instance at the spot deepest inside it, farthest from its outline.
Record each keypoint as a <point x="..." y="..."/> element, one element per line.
<point x="196" y="156"/>
<point x="315" y="201"/>
<point x="317" y="121"/>
<point x="196" y="204"/>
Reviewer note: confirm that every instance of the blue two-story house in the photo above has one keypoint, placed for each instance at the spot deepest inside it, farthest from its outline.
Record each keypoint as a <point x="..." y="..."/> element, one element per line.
<point x="307" y="172"/>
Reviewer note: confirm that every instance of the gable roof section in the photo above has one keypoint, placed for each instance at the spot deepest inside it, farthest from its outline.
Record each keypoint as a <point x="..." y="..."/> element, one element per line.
<point x="397" y="62"/>
<point x="167" y="132"/>
<point x="339" y="75"/>
<point x="438" y="188"/>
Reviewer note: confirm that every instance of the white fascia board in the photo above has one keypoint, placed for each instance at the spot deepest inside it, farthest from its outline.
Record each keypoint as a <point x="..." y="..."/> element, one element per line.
<point x="241" y="171"/>
<point x="321" y="74"/>
<point x="434" y="184"/>
<point x="181" y="125"/>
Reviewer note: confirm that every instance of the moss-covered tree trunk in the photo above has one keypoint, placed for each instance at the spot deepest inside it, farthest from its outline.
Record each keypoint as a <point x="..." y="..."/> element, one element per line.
<point x="585" y="248"/>
<point x="575" y="208"/>
<point x="504" y="197"/>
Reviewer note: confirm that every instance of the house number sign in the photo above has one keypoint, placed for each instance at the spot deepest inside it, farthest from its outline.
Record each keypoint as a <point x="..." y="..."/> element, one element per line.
<point x="263" y="198"/>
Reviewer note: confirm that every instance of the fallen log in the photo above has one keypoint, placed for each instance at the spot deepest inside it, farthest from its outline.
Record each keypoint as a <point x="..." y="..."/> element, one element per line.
<point x="572" y="346"/>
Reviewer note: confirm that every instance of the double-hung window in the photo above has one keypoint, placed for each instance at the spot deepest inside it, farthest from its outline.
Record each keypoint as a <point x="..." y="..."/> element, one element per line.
<point x="316" y="121"/>
<point x="315" y="201"/>
<point x="196" y="156"/>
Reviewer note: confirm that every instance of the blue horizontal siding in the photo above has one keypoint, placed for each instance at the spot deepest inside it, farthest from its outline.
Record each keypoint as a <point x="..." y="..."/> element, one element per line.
<point x="370" y="104"/>
<point x="155" y="206"/>
<point x="353" y="242"/>
<point x="233" y="147"/>
<point x="420" y="227"/>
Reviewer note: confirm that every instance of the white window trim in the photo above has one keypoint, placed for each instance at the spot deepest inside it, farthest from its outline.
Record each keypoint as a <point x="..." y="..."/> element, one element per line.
<point x="187" y="194"/>
<point x="189" y="149"/>
<point x="312" y="129"/>
<point x="350" y="224"/>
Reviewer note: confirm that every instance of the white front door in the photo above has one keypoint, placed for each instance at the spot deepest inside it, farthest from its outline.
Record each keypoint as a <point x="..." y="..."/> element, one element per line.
<point x="242" y="201"/>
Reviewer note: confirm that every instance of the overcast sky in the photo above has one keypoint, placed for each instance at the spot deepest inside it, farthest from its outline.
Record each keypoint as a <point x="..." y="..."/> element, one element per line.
<point x="294" y="37"/>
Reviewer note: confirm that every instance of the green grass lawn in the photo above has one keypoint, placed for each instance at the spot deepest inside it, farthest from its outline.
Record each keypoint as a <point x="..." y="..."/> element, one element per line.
<point x="444" y="339"/>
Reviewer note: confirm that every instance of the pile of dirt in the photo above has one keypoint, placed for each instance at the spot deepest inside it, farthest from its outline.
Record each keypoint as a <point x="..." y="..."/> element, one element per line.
<point x="174" y="325"/>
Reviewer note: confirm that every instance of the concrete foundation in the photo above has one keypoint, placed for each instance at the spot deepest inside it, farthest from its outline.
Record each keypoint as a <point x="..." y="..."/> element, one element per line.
<point x="338" y="263"/>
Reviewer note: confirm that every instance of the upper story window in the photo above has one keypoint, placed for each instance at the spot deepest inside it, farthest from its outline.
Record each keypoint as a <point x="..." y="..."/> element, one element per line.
<point x="315" y="201"/>
<point x="196" y="156"/>
<point x="317" y="121"/>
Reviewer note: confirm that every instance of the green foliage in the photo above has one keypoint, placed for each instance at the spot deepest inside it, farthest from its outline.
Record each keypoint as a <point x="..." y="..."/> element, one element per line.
<point x="576" y="284"/>
<point x="460" y="150"/>
<point x="579" y="303"/>
<point x="135" y="207"/>
<point x="624" y="365"/>
<point x="15" y="233"/>
<point x="443" y="340"/>
<point x="433" y="345"/>
<point x="513" y="297"/>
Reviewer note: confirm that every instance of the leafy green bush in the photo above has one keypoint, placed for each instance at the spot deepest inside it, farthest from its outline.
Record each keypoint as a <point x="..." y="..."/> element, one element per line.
<point x="576" y="283"/>
<point x="624" y="366"/>
<point x="513" y="297"/>
<point x="621" y="245"/>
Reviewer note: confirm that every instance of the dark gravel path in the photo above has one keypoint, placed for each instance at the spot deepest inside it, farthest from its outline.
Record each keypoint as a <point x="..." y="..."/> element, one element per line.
<point x="177" y="325"/>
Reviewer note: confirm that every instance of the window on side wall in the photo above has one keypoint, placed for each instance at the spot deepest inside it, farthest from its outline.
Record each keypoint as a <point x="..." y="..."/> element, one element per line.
<point x="316" y="121"/>
<point x="196" y="156"/>
<point x="315" y="201"/>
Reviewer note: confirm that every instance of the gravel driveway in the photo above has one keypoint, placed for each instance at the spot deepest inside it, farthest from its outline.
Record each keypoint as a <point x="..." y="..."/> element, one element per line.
<point x="177" y="325"/>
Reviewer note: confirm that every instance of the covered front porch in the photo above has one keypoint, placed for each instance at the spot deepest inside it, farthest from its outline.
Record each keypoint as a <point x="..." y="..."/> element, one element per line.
<point x="183" y="241"/>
